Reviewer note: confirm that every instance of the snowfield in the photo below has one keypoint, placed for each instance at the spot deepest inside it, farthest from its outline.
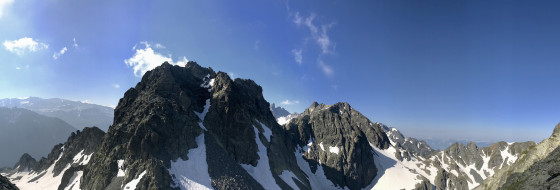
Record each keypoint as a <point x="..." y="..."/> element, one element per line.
<point x="261" y="172"/>
<point x="192" y="173"/>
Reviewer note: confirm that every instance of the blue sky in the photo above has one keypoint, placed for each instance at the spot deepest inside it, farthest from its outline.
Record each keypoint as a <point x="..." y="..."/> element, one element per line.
<point x="474" y="70"/>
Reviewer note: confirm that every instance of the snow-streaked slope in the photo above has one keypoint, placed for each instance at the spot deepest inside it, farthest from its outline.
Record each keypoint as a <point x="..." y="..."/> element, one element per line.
<point x="46" y="180"/>
<point x="261" y="172"/>
<point x="132" y="184"/>
<point x="317" y="180"/>
<point x="392" y="174"/>
<point x="74" y="183"/>
<point x="192" y="173"/>
<point x="39" y="180"/>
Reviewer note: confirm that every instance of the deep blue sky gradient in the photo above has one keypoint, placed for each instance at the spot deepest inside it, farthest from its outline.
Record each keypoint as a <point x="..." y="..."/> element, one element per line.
<point x="471" y="70"/>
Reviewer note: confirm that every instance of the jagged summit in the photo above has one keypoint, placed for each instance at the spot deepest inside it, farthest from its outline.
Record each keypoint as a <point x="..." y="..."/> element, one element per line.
<point x="157" y="124"/>
<point x="337" y="134"/>
<point x="278" y="111"/>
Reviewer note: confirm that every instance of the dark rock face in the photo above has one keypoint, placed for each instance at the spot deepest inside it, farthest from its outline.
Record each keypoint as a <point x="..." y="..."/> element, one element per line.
<point x="234" y="107"/>
<point x="445" y="180"/>
<point x="6" y="185"/>
<point x="465" y="155"/>
<point x="340" y="139"/>
<point x="154" y="123"/>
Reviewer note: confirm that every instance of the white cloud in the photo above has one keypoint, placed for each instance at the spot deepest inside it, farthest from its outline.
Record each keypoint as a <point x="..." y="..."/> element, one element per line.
<point x="321" y="36"/>
<point x="297" y="19"/>
<point x="3" y="5"/>
<point x="75" y="43"/>
<point x="85" y="101"/>
<point x="290" y="102"/>
<point x="147" y="59"/>
<point x="116" y="85"/>
<point x="298" y="55"/>
<point x="18" y="68"/>
<point x="22" y="45"/>
<point x="56" y="55"/>
<point x="326" y="68"/>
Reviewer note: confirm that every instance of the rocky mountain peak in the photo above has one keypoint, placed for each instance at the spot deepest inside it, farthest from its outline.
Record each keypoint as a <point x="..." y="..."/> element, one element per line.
<point x="26" y="162"/>
<point x="278" y="111"/>
<point x="158" y="121"/>
<point x="556" y="131"/>
<point x="337" y="134"/>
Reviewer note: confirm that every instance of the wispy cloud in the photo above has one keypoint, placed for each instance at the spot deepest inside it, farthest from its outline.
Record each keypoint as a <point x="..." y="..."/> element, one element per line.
<point x="22" y="45"/>
<point x="147" y="59"/>
<point x="297" y="53"/>
<point x="56" y="55"/>
<point x="75" y="43"/>
<point x="4" y="5"/>
<point x="290" y="102"/>
<point x="116" y="85"/>
<point x="318" y="33"/>
<point x="326" y="68"/>
<point x="159" y="46"/>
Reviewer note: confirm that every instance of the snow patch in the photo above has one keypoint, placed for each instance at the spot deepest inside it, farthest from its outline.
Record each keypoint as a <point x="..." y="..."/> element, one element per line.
<point x="308" y="146"/>
<point x="391" y="174"/>
<point x="132" y="184"/>
<point x="42" y="180"/>
<point x="322" y="147"/>
<point x="286" y="119"/>
<point x="510" y="158"/>
<point x="202" y="115"/>
<point x="207" y="82"/>
<point x="122" y="171"/>
<point x="334" y="149"/>
<point x="192" y="173"/>
<point x="267" y="132"/>
<point x="317" y="180"/>
<point x="81" y="158"/>
<point x="261" y="172"/>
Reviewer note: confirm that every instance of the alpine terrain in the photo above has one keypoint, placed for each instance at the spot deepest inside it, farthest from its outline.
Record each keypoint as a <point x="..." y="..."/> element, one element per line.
<point x="193" y="128"/>
<point x="537" y="168"/>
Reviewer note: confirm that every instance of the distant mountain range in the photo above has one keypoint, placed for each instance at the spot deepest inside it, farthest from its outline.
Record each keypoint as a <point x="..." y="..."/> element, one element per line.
<point x="192" y="128"/>
<point x="24" y="131"/>
<point x="77" y="114"/>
